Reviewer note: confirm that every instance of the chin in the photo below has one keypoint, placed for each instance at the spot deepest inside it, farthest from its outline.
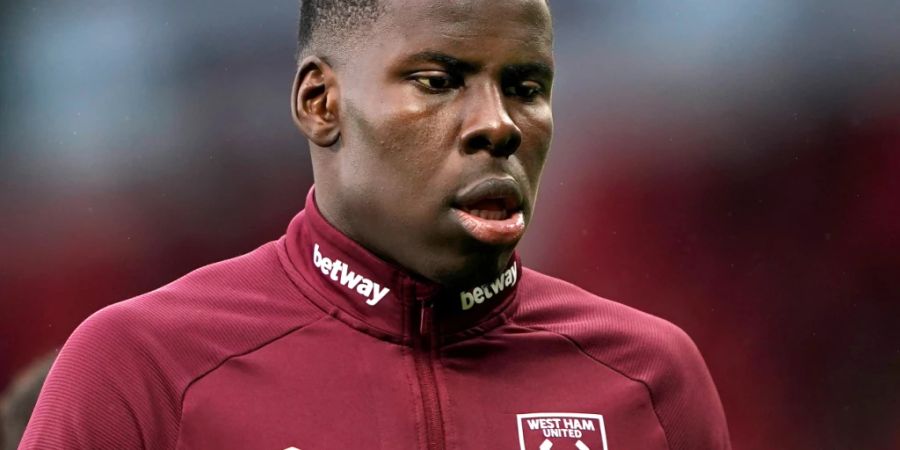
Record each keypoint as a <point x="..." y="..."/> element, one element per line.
<point x="474" y="267"/>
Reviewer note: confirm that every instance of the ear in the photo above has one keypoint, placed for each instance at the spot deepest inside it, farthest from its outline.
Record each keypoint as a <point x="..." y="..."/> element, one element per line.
<point x="314" y="101"/>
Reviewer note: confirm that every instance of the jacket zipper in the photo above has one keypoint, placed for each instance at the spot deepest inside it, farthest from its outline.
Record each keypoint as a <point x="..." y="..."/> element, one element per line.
<point x="424" y="353"/>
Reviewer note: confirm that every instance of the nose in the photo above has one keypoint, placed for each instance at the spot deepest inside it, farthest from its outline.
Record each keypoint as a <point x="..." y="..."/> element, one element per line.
<point x="487" y="125"/>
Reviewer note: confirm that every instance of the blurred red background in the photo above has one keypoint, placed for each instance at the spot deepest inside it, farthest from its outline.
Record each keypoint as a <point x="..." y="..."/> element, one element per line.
<point x="733" y="167"/>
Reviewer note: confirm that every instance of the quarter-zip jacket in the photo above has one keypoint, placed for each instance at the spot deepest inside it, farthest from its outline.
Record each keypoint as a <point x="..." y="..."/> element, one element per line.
<point x="312" y="342"/>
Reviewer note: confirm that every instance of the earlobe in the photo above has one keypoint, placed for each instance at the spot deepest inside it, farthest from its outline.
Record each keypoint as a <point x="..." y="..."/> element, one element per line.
<point x="314" y="104"/>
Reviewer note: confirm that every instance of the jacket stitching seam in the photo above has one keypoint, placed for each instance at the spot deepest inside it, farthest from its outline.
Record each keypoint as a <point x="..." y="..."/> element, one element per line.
<point x="224" y="361"/>
<point x="620" y="372"/>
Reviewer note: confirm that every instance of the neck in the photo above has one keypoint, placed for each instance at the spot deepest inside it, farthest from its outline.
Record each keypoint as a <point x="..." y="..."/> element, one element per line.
<point x="337" y="272"/>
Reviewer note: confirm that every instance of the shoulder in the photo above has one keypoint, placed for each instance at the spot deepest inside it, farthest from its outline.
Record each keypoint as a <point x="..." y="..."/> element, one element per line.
<point x="640" y="346"/>
<point x="215" y="311"/>
<point x="595" y="322"/>
<point x="130" y="362"/>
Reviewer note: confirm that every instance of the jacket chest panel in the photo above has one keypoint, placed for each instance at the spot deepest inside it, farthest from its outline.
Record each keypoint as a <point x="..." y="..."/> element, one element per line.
<point x="324" y="387"/>
<point x="328" y="387"/>
<point x="517" y="391"/>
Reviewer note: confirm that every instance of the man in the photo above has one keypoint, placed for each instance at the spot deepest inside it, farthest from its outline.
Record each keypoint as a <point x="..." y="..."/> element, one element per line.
<point x="394" y="313"/>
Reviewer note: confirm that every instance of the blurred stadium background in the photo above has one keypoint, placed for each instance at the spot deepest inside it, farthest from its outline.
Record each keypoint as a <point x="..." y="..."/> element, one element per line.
<point x="732" y="166"/>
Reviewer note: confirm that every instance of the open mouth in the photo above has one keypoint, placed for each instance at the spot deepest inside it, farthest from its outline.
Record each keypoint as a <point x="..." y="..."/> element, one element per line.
<point x="491" y="211"/>
<point x="492" y="208"/>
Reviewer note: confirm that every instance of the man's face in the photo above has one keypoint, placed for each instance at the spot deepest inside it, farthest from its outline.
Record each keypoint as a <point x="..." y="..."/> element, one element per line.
<point x="445" y="125"/>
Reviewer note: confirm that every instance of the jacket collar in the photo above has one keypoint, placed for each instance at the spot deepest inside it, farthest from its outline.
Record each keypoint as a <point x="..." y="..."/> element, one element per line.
<point x="351" y="283"/>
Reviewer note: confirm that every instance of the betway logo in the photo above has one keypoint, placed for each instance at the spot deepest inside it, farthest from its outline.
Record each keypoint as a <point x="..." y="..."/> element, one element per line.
<point x="339" y="272"/>
<point x="484" y="292"/>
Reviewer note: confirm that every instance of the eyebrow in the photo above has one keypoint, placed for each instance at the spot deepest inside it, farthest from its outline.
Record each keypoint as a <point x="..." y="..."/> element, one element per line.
<point x="453" y="64"/>
<point x="530" y="69"/>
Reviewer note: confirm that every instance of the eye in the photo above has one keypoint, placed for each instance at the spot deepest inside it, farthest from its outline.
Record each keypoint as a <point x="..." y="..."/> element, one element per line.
<point x="528" y="90"/>
<point x="435" y="81"/>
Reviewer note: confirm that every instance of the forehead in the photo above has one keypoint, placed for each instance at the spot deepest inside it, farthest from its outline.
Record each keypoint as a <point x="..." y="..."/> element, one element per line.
<point x="488" y="26"/>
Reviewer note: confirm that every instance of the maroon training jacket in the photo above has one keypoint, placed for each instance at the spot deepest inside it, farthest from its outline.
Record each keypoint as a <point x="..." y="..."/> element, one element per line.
<point x="314" y="343"/>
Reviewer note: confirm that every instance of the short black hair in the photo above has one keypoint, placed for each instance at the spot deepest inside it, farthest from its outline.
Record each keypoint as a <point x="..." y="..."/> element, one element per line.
<point x="332" y="22"/>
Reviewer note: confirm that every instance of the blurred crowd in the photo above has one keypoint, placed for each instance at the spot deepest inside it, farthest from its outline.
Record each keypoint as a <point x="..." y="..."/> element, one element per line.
<point x="732" y="166"/>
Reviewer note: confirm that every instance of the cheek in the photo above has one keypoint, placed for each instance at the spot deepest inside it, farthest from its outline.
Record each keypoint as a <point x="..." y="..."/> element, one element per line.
<point x="403" y="141"/>
<point x="421" y="160"/>
<point x="537" y="132"/>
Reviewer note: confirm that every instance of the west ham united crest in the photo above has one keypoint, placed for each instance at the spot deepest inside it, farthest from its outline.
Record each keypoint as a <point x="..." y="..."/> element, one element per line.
<point x="561" y="431"/>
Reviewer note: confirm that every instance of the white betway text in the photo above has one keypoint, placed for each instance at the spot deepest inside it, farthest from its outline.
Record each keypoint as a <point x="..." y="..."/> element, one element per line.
<point x="339" y="272"/>
<point x="484" y="292"/>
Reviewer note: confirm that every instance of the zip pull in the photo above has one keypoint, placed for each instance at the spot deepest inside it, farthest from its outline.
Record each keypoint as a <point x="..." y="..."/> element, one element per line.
<point x="425" y="319"/>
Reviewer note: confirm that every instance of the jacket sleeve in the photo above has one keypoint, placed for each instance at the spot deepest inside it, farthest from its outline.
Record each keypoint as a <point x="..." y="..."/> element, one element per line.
<point x="101" y="392"/>
<point x="684" y="396"/>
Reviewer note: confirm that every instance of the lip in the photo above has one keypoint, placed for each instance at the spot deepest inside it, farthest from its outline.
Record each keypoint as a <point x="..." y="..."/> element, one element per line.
<point x="492" y="188"/>
<point x="494" y="232"/>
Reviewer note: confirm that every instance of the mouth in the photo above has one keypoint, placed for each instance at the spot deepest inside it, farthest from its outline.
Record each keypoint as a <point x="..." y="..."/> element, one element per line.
<point x="491" y="211"/>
